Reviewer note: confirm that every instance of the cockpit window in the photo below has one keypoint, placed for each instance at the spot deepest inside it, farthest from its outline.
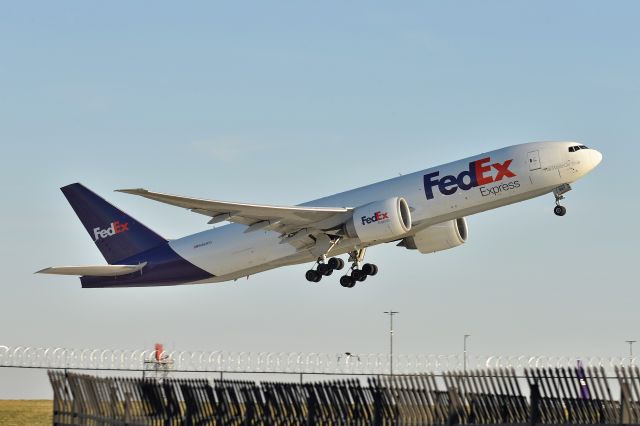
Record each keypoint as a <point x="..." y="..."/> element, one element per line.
<point x="577" y="148"/>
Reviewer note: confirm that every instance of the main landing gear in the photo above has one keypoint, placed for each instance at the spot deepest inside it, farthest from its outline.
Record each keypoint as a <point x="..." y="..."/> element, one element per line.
<point x="368" y="269"/>
<point x="358" y="274"/>
<point x="355" y="274"/>
<point x="558" y="193"/>
<point x="324" y="269"/>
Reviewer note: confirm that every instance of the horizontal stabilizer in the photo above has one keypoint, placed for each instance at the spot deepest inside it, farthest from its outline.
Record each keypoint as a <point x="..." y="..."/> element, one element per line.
<point x="93" y="270"/>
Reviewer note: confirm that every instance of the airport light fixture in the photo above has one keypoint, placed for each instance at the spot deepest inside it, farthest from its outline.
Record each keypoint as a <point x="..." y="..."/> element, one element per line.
<point x="391" y="313"/>
<point x="630" y="342"/>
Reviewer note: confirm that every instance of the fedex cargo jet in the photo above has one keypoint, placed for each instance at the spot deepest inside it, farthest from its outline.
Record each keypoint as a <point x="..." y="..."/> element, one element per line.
<point x="422" y="211"/>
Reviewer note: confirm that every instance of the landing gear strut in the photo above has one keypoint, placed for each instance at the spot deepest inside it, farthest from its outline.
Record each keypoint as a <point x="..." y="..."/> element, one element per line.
<point x="558" y="193"/>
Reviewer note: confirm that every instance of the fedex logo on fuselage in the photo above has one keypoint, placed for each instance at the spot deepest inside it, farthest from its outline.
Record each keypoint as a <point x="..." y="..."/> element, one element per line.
<point x="113" y="229"/>
<point x="481" y="172"/>
<point x="377" y="216"/>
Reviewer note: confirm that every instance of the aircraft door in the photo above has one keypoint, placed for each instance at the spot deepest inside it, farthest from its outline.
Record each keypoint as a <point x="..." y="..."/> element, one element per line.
<point x="534" y="160"/>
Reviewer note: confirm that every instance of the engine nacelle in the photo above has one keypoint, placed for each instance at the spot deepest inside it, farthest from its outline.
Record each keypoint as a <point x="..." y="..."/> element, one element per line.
<point x="438" y="237"/>
<point x="380" y="220"/>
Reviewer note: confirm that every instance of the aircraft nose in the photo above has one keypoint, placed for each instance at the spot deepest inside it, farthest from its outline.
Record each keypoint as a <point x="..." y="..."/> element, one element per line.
<point x="596" y="157"/>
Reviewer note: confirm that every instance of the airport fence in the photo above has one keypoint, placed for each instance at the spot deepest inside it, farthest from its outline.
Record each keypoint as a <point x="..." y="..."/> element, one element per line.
<point x="490" y="396"/>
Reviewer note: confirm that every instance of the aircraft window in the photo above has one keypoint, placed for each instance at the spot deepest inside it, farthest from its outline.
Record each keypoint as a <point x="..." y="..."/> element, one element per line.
<point x="583" y="147"/>
<point x="572" y="149"/>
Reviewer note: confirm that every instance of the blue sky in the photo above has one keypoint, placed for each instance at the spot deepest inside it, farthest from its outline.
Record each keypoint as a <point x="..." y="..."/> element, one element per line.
<point x="284" y="102"/>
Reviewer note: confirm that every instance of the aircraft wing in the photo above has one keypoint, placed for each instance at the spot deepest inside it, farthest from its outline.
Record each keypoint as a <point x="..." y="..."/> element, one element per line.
<point x="284" y="219"/>
<point x="94" y="270"/>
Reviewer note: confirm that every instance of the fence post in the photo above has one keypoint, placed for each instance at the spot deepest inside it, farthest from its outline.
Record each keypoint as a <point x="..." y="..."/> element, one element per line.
<point x="534" y="416"/>
<point x="250" y="414"/>
<point x="625" y="404"/>
<point x="311" y="406"/>
<point x="127" y="408"/>
<point x="377" y="405"/>
<point x="454" y="406"/>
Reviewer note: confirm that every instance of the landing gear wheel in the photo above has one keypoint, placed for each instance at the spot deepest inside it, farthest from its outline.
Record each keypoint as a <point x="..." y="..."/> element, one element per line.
<point x="358" y="275"/>
<point x="560" y="210"/>
<point x="336" y="263"/>
<point x="346" y="281"/>
<point x="313" y="276"/>
<point x="369" y="269"/>
<point x="324" y="269"/>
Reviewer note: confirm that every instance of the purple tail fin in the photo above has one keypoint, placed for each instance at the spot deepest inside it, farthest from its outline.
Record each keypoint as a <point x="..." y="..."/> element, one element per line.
<point x="117" y="235"/>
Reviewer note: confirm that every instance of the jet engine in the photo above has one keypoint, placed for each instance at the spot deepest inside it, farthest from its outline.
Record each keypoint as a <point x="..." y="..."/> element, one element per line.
<point x="380" y="220"/>
<point x="438" y="237"/>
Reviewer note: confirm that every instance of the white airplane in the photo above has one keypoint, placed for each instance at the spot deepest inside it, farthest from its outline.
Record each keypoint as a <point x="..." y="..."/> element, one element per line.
<point x="422" y="211"/>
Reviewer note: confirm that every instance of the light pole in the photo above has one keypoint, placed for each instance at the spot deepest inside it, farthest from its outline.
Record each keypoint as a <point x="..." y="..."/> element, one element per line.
<point x="630" y="342"/>
<point x="391" y="313"/>
<point x="464" y="353"/>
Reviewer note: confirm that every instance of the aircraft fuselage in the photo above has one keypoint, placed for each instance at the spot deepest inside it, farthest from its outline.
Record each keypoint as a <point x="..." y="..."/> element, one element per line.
<point x="454" y="190"/>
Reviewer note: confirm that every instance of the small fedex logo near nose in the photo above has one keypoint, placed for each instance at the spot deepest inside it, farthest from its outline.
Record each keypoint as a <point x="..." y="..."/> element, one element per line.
<point x="113" y="229"/>
<point x="481" y="172"/>
<point x="377" y="216"/>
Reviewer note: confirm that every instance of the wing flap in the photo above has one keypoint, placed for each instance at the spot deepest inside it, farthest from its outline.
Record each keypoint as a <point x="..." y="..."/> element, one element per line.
<point x="93" y="270"/>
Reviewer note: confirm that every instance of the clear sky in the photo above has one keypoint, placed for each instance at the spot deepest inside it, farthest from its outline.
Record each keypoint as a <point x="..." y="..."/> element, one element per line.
<point x="284" y="102"/>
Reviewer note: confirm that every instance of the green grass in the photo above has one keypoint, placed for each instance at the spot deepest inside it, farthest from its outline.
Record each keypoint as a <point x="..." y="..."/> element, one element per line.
<point x="25" y="412"/>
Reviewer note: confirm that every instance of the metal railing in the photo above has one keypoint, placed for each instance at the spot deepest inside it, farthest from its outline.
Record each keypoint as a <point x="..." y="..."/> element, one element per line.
<point x="490" y="396"/>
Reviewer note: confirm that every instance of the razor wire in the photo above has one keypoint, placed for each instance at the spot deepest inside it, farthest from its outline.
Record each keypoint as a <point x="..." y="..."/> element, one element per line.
<point x="283" y="362"/>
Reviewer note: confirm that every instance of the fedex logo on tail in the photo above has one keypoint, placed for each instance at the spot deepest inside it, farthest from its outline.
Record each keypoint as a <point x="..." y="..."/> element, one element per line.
<point x="481" y="172"/>
<point x="113" y="229"/>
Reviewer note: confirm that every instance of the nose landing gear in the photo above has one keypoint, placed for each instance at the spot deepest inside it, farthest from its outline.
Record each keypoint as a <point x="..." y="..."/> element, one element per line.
<point x="558" y="194"/>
